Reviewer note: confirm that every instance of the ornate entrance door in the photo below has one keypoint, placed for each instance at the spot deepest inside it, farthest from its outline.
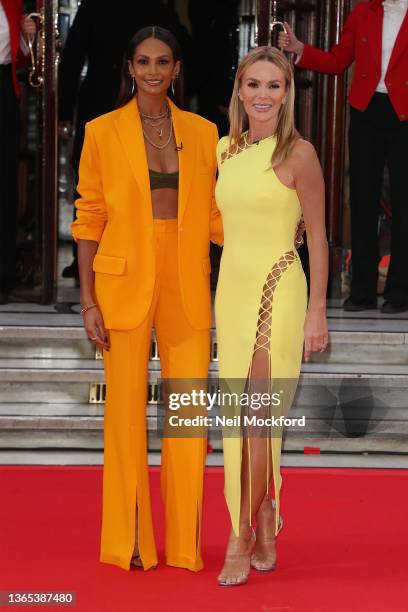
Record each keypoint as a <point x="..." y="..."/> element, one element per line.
<point x="321" y="108"/>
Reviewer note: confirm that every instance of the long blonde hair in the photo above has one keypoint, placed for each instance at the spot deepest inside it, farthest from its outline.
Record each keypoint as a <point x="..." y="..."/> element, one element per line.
<point x="286" y="134"/>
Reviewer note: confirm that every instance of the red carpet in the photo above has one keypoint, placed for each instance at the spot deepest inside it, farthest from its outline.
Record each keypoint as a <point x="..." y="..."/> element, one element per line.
<point x="341" y="550"/>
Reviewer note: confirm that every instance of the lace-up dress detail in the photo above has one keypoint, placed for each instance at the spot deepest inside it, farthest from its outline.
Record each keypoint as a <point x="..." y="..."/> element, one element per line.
<point x="261" y="296"/>
<point x="264" y="326"/>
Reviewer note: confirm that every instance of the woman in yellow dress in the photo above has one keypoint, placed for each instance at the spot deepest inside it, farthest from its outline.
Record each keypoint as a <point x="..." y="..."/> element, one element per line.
<point x="144" y="222"/>
<point x="268" y="178"/>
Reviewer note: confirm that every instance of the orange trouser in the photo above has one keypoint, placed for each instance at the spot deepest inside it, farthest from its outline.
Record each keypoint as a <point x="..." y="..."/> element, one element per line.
<point x="184" y="353"/>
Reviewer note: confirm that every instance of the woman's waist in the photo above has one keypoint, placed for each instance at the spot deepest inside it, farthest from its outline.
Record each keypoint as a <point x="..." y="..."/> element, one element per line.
<point x="269" y="249"/>
<point x="165" y="226"/>
<point x="164" y="203"/>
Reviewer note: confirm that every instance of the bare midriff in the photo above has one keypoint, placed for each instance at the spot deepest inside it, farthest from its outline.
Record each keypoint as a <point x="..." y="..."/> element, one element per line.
<point x="165" y="203"/>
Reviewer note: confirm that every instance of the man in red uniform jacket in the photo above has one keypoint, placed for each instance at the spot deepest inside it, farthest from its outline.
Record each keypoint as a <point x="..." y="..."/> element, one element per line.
<point x="12" y="25"/>
<point x="375" y="37"/>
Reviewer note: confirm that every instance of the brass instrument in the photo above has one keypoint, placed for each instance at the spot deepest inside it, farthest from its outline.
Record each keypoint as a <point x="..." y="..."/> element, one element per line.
<point x="36" y="47"/>
<point x="273" y="21"/>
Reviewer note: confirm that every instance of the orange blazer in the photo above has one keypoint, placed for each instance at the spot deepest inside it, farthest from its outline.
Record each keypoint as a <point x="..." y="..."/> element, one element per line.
<point x="115" y="210"/>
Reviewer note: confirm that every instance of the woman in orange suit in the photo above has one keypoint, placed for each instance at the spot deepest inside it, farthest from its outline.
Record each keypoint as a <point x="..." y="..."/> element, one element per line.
<point x="144" y="222"/>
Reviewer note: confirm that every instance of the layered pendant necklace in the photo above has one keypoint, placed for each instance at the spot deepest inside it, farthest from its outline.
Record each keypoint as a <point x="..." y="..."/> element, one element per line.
<point x="165" y="144"/>
<point x="156" y="122"/>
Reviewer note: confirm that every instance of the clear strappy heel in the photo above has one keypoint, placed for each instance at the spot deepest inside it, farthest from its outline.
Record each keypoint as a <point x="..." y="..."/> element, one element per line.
<point x="267" y="564"/>
<point x="234" y="560"/>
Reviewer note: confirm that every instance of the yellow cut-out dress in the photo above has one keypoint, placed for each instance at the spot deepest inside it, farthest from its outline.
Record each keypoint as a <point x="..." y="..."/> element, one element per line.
<point x="261" y="295"/>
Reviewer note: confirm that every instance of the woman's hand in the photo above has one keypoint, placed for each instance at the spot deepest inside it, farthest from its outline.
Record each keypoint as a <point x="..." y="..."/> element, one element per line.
<point x="289" y="42"/>
<point x="316" y="333"/>
<point x="95" y="328"/>
<point x="300" y="230"/>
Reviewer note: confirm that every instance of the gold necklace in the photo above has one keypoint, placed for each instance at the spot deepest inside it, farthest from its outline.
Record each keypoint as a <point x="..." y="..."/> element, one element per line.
<point x="165" y="114"/>
<point x="155" y="126"/>
<point x="163" y="146"/>
<point x="249" y="144"/>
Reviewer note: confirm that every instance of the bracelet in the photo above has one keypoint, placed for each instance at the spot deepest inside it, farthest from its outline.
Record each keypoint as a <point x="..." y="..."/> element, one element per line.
<point x="86" y="308"/>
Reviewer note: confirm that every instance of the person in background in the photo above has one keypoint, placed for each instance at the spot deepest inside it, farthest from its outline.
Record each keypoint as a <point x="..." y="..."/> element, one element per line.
<point x="375" y="37"/>
<point x="98" y="38"/>
<point x="13" y="26"/>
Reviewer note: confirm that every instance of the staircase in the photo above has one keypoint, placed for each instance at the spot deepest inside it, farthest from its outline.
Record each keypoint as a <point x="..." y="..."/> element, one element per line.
<point x="354" y="397"/>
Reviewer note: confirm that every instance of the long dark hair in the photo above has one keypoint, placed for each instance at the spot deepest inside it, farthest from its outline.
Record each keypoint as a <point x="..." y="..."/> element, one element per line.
<point x="125" y="92"/>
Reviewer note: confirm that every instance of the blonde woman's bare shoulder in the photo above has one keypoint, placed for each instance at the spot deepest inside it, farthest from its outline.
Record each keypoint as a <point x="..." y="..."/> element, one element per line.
<point x="305" y="162"/>
<point x="303" y="155"/>
<point x="304" y="149"/>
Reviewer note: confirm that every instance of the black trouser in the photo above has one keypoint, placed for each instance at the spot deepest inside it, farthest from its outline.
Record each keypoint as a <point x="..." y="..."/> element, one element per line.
<point x="9" y="141"/>
<point x="376" y="138"/>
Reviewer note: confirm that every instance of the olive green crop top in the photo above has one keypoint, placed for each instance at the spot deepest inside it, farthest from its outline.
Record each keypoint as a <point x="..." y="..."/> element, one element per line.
<point x="163" y="180"/>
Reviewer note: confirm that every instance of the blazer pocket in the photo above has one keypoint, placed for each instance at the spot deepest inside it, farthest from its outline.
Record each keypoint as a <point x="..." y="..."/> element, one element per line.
<point x="206" y="265"/>
<point x="108" y="264"/>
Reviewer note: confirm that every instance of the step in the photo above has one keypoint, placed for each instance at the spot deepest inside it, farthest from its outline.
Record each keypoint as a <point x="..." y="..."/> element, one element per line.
<point x="73" y="387"/>
<point x="359" y="386"/>
<point x="24" y="368"/>
<point x="365" y="347"/>
<point x="80" y="457"/>
<point x="87" y="433"/>
<point x="360" y="343"/>
<point x="66" y="381"/>
<point x="45" y="343"/>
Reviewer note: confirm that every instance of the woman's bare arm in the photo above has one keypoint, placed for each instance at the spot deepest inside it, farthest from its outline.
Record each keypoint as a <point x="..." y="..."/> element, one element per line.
<point x="309" y="185"/>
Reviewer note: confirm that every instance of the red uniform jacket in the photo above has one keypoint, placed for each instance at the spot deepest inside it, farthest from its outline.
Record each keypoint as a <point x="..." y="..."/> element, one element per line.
<point x="14" y="11"/>
<point x="361" y="41"/>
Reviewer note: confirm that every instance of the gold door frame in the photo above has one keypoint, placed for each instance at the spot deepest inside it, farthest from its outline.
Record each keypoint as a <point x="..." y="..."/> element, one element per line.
<point x="42" y="77"/>
<point x="50" y="154"/>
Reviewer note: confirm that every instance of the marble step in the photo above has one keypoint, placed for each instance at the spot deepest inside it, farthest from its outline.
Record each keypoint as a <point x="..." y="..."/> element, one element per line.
<point x="81" y="457"/>
<point x="66" y="381"/>
<point x="87" y="433"/>
<point x="313" y="426"/>
<point x="366" y="347"/>
<point x="354" y="412"/>
<point x="364" y="344"/>
<point x="24" y="368"/>
<point x="45" y="342"/>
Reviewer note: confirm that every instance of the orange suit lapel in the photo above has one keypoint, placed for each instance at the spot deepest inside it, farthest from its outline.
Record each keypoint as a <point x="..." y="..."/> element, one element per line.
<point x="187" y="144"/>
<point x="130" y="133"/>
